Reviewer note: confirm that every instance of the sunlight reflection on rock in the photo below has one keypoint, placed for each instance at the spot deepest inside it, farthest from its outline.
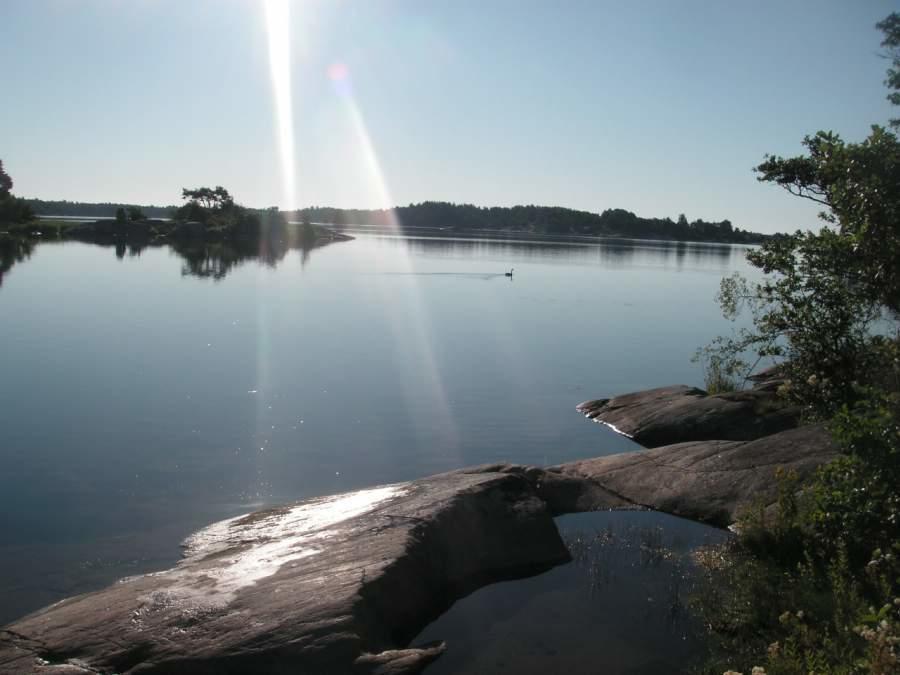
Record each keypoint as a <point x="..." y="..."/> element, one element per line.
<point x="256" y="546"/>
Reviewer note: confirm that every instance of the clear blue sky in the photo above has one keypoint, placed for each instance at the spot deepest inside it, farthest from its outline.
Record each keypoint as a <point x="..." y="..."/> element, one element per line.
<point x="657" y="106"/>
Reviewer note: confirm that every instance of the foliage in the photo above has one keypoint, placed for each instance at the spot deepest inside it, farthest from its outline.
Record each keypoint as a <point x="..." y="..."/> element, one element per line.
<point x="806" y="314"/>
<point x="211" y="199"/>
<point x="204" y="203"/>
<point x="719" y="375"/>
<point x="12" y="209"/>
<point x="464" y="217"/>
<point x="129" y="214"/>
<point x="15" y="210"/>
<point x="859" y="186"/>
<point x="549" y="220"/>
<point x="890" y="26"/>
<point x="217" y="211"/>
<point x="210" y="206"/>
<point x="786" y="596"/>
<point x="6" y="183"/>
<point x="813" y="585"/>
<point x="191" y="212"/>
<point x="794" y="621"/>
<point x="826" y="559"/>
<point x="135" y="214"/>
<point x="854" y="504"/>
<point x="824" y="291"/>
<point x="92" y="209"/>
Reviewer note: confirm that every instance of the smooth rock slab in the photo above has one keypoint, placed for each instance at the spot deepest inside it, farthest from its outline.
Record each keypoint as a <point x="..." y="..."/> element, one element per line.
<point x="333" y="585"/>
<point x="342" y="584"/>
<point x="677" y="414"/>
<point x="709" y="481"/>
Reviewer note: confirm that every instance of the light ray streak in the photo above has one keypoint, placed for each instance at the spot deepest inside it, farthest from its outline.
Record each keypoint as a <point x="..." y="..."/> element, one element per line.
<point x="417" y="330"/>
<point x="277" y="21"/>
<point x="278" y="32"/>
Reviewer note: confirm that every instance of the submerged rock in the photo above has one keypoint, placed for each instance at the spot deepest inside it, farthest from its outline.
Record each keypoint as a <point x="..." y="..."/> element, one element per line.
<point x="678" y="414"/>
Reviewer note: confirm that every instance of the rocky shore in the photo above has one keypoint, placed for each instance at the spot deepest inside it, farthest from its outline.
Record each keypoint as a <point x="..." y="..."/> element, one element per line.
<point x="680" y="414"/>
<point x="342" y="584"/>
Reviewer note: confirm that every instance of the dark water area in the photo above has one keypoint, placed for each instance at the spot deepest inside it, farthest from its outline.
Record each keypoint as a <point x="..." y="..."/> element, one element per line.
<point x="621" y="606"/>
<point x="147" y="392"/>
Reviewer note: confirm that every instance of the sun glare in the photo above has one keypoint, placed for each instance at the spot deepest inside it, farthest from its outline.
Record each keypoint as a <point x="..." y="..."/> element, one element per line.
<point x="278" y="32"/>
<point x="414" y="333"/>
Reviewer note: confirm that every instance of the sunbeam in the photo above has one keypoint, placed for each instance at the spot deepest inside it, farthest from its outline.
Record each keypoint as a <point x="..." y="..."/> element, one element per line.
<point x="278" y="32"/>
<point x="420" y="338"/>
<point x="277" y="15"/>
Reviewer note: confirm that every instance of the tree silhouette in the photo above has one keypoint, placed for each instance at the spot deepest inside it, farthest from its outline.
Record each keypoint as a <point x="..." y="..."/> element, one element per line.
<point x="135" y="214"/>
<point x="12" y="209"/>
<point x="890" y="26"/>
<point x="209" y="198"/>
<point x="6" y="182"/>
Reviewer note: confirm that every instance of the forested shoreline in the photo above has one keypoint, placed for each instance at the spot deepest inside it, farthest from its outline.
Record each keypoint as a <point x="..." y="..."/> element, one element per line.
<point x="550" y="220"/>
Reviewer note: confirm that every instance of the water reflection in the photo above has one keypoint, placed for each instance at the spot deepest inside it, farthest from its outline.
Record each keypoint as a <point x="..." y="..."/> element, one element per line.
<point x="628" y="586"/>
<point x="216" y="259"/>
<point x="616" y="253"/>
<point x="12" y="251"/>
<point x="204" y="259"/>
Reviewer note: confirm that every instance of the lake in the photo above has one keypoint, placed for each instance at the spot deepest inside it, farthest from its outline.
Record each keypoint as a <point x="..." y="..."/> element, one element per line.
<point x="146" y="393"/>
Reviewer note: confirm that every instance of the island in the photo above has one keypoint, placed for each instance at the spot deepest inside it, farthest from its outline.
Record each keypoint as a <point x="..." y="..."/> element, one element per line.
<point x="210" y="232"/>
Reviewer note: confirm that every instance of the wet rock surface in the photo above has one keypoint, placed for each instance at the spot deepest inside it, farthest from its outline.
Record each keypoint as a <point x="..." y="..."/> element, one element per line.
<point x="333" y="585"/>
<point x="342" y="584"/>
<point x="678" y="414"/>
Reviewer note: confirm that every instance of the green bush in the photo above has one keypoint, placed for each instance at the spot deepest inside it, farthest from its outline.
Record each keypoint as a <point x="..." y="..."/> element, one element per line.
<point x="813" y="584"/>
<point x="719" y="374"/>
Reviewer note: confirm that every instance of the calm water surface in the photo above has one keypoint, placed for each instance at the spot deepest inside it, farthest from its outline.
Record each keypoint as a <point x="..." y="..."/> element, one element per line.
<point x="621" y="606"/>
<point x="140" y="401"/>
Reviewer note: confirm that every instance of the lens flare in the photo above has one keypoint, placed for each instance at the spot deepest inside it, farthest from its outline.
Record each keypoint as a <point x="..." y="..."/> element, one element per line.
<point x="338" y="71"/>
<point x="416" y="335"/>
<point x="277" y="21"/>
<point x="278" y="32"/>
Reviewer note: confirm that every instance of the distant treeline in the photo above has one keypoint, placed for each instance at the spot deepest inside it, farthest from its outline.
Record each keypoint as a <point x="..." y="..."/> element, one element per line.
<point x="46" y="207"/>
<point x="552" y="220"/>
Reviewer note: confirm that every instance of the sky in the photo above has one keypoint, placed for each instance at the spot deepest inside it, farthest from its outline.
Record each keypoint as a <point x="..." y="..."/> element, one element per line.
<point x="660" y="107"/>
